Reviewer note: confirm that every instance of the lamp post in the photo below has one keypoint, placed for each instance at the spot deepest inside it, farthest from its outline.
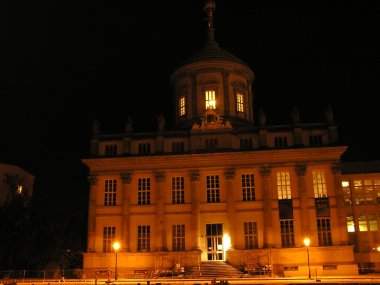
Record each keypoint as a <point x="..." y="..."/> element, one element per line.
<point x="306" y="242"/>
<point x="116" y="246"/>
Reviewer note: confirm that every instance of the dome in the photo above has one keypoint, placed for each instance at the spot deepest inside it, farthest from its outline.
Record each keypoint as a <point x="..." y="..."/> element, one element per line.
<point x="210" y="52"/>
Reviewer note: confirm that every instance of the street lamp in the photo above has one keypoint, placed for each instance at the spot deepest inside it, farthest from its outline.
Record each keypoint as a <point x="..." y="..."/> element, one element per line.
<point x="306" y="242"/>
<point x="116" y="246"/>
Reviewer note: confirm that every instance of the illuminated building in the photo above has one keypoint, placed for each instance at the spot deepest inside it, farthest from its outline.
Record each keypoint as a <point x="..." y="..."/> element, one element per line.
<point x="220" y="186"/>
<point x="361" y="190"/>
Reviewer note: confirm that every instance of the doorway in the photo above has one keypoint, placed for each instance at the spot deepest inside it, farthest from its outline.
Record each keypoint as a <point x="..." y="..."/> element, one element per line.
<point x="214" y="236"/>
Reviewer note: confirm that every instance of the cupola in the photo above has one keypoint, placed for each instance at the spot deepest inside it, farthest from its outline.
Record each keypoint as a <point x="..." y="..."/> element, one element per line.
<point x="212" y="80"/>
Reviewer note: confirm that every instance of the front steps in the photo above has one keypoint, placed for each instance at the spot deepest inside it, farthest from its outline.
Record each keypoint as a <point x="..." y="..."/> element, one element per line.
<point x="214" y="269"/>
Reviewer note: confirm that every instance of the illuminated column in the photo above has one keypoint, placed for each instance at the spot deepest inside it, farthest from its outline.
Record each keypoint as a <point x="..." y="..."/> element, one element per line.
<point x="126" y="179"/>
<point x="304" y="205"/>
<point x="340" y="204"/>
<point x="231" y="207"/>
<point x="93" y="180"/>
<point x="195" y="212"/>
<point x="265" y="173"/>
<point x="161" y="224"/>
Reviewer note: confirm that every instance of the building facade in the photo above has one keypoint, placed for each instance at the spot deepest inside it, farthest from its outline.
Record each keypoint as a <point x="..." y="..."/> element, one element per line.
<point x="222" y="186"/>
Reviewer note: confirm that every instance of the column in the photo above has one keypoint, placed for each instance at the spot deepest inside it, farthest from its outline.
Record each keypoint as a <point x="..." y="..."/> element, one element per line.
<point x="265" y="173"/>
<point x="231" y="207"/>
<point x="161" y="223"/>
<point x="93" y="181"/>
<point x="226" y="93"/>
<point x="304" y="203"/>
<point x="126" y="179"/>
<point x="340" y="204"/>
<point x="195" y="211"/>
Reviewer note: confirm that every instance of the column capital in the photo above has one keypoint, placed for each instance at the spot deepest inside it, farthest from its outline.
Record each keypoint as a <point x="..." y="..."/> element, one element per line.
<point x="300" y="169"/>
<point x="92" y="179"/>
<point x="229" y="173"/>
<point x="160" y="176"/>
<point x="194" y="175"/>
<point x="265" y="171"/>
<point x="126" y="177"/>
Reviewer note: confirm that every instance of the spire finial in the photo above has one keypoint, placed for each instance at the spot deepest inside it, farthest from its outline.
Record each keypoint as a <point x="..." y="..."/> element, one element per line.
<point x="209" y="8"/>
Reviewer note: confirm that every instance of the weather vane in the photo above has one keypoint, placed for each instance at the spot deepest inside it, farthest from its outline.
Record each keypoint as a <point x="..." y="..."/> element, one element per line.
<point x="209" y="8"/>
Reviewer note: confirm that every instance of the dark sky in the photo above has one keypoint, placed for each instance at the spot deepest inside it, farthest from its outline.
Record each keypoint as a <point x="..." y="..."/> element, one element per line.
<point x="64" y="63"/>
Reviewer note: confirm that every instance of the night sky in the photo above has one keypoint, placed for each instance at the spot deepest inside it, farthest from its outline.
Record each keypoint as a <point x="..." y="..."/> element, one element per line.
<point x="64" y="63"/>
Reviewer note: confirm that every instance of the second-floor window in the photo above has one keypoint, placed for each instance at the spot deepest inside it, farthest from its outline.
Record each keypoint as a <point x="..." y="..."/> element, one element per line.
<point x="210" y="99"/>
<point x="144" y="148"/>
<point x="319" y="184"/>
<point x="178" y="190"/>
<point x="239" y="102"/>
<point x="110" y="192"/>
<point x="366" y="191"/>
<point x="143" y="191"/>
<point x="283" y="185"/>
<point x="109" y="234"/>
<point x="111" y="149"/>
<point x="212" y="186"/>
<point x="248" y="187"/>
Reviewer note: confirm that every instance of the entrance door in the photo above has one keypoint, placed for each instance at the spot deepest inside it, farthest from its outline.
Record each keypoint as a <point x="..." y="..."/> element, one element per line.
<point x="214" y="235"/>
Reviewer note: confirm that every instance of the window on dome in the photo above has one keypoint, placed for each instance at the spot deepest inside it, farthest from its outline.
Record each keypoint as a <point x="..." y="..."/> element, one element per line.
<point x="239" y="102"/>
<point x="210" y="99"/>
<point x="182" y="106"/>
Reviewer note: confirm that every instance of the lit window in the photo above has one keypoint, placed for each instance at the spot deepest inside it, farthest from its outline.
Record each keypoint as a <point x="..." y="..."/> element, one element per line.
<point x="19" y="189"/>
<point x="283" y="185"/>
<point x="182" y="106"/>
<point x="319" y="183"/>
<point x="210" y="99"/>
<point x="350" y="224"/>
<point x="240" y="102"/>
<point x="366" y="191"/>
<point x="346" y="192"/>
